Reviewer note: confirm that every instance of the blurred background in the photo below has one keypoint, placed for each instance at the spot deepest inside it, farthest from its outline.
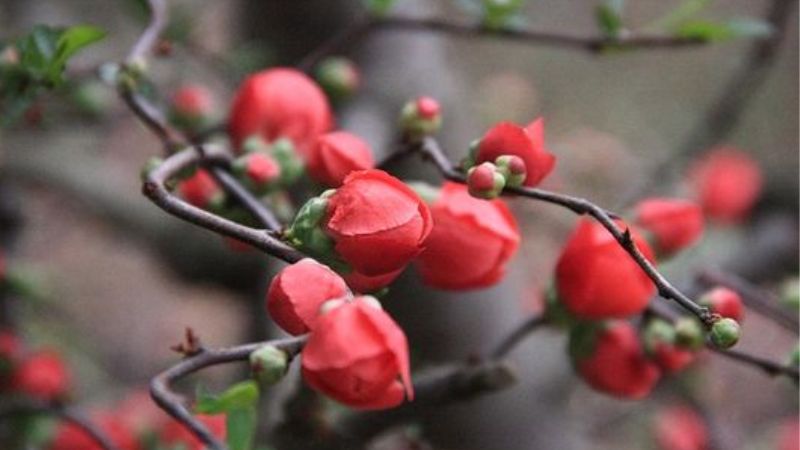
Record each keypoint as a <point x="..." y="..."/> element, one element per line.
<point x="117" y="280"/>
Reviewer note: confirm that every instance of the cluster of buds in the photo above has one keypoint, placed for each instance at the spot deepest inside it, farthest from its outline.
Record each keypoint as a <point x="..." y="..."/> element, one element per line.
<point x="487" y="180"/>
<point x="420" y="117"/>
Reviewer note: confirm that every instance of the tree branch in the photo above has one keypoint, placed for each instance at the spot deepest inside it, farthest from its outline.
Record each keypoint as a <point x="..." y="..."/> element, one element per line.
<point x="68" y="414"/>
<point x="517" y="335"/>
<point x="177" y="406"/>
<point x="148" y="39"/>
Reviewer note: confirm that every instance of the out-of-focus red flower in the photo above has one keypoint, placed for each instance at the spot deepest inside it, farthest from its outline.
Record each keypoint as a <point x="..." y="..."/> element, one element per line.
<point x="296" y="293"/>
<point x="727" y="183"/>
<point x="672" y="359"/>
<point x="612" y="360"/>
<point x="789" y="434"/>
<point x="674" y="223"/>
<point x="378" y="223"/>
<point x="280" y="102"/>
<point x="471" y="241"/>
<point x="10" y="345"/>
<point x="335" y="155"/>
<point x="70" y="437"/>
<point x="140" y="414"/>
<point x="262" y="169"/>
<point x="357" y="355"/>
<point x="174" y="433"/>
<point x="725" y="302"/>
<point x="597" y="279"/>
<point x="680" y="428"/>
<point x="527" y="143"/>
<point x="200" y="189"/>
<point x="192" y="103"/>
<point x="42" y="375"/>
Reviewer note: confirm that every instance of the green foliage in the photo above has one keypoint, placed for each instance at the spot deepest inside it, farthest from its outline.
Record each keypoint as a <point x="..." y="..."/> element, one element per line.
<point x="378" y="7"/>
<point x="36" y="62"/>
<point x="499" y="14"/>
<point x="609" y="17"/>
<point x="238" y="403"/>
<point x="721" y="31"/>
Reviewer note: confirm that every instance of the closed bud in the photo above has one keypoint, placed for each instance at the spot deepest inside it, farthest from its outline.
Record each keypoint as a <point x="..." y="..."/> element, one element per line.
<point x="191" y="107"/>
<point x="725" y="333"/>
<point x="291" y="165"/>
<point x="790" y="293"/>
<point x="149" y="166"/>
<point x="688" y="333"/>
<point x="725" y="302"/>
<point x="339" y="77"/>
<point x="513" y="169"/>
<point x="258" y="170"/>
<point x="485" y="181"/>
<point x="421" y="117"/>
<point x="269" y="364"/>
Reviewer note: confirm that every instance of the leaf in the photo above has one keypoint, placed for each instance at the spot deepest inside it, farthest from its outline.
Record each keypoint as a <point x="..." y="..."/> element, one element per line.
<point x="682" y="13"/>
<point x="609" y="17"/>
<point x="378" y="7"/>
<point x="239" y="396"/>
<point x="72" y="40"/>
<point x="721" y="31"/>
<point x="241" y="427"/>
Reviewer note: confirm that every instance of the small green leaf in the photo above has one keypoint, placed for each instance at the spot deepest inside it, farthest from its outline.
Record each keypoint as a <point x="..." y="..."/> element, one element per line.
<point x="720" y="31"/>
<point x="239" y="396"/>
<point x="241" y="427"/>
<point x="72" y="40"/>
<point x="609" y="17"/>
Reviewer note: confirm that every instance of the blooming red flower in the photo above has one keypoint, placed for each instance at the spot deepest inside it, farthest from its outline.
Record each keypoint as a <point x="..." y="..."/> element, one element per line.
<point x="670" y="358"/>
<point x="674" y="223"/>
<point x="527" y="143"/>
<point x="378" y="223"/>
<point x="727" y="183"/>
<point x="277" y="103"/>
<point x="471" y="241"/>
<point x="70" y="437"/>
<point x="296" y="293"/>
<point x="335" y="155"/>
<point x="597" y="279"/>
<point x="358" y="355"/>
<point x="612" y="360"/>
<point x="43" y="375"/>
<point x="725" y="302"/>
<point x="680" y="428"/>
<point x="192" y="102"/>
<point x="200" y="189"/>
<point x="174" y="433"/>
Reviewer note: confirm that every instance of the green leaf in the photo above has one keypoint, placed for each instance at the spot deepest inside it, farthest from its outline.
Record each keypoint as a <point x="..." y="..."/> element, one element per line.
<point x="497" y="14"/>
<point x="609" y="17"/>
<point x="239" y="396"/>
<point x="720" y="31"/>
<point x="241" y="427"/>
<point x="72" y="40"/>
<point x="378" y="7"/>
<point x="682" y="13"/>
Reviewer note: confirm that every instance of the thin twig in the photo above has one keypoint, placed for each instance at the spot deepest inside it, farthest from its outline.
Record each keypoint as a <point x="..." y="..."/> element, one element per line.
<point x="149" y="38"/>
<point x="20" y="406"/>
<point x="517" y="335"/>
<point x="177" y="406"/>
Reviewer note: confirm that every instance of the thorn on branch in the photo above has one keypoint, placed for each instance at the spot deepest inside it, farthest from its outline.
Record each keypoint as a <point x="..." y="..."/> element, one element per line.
<point x="190" y="346"/>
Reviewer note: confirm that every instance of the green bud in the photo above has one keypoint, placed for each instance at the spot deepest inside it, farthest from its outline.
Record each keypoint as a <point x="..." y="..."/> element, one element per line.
<point x="269" y="364"/>
<point x="151" y="164"/>
<point x="306" y="233"/>
<point x="689" y="333"/>
<point x="485" y="181"/>
<point x="656" y="332"/>
<point x="513" y="169"/>
<point x="790" y="293"/>
<point x="472" y="155"/>
<point x="291" y="165"/>
<point x="725" y="333"/>
<point x="338" y="77"/>
<point x="420" y="117"/>
<point x="254" y="143"/>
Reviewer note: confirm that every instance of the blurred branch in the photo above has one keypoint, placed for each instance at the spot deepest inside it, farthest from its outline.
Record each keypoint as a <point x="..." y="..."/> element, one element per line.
<point x="149" y="38"/>
<point x="517" y="335"/>
<point x="177" y="406"/>
<point x="430" y="149"/>
<point x="367" y="25"/>
<point x="14" y="407"/>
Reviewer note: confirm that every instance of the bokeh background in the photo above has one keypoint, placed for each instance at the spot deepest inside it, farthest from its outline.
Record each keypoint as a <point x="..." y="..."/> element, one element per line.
<point x="119" y="279"/>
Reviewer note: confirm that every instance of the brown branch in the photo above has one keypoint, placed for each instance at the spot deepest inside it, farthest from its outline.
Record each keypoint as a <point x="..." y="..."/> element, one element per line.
<point x="177" y="406"/>
<point x="20" y="406"/>
<point x="429" y="148"/>
<point x="517" y="335"/>
<point x="149" y="38"/>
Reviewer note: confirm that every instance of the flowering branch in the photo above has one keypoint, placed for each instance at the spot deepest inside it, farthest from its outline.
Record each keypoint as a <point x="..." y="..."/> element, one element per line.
<point x="176" y="405"/>
<point x="71" y="415"/>
<point x="429" y="148"/>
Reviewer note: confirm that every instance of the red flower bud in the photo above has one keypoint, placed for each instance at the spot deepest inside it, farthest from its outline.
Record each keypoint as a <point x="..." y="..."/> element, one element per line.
<point x="727" y="183"/>
<point x="597" y="279"/>
<point x="192" y="105"/>
<point x="280" y="102"/>
<point x="421" y="117"/>
<point x="296" y="293"/>
<point x="262" y="169"/>
<point x="485" y="181"/>
<point x="70" y="437"/>
<point x="201" y="190"/>
<point x="337" y="154"/>
<point x="725" y="302"/>
<point x="339" y="77"/>
<point x="365" y="283"/>
<point x="378" y="223"/>
<point x="358" y="355"/>
<point x="674" y="223"/>
<point x="610" y="359"/>
<point x="42" y="375"/>
<point x="527" y="143"/>
<point x="680" y="428"/>
<point x="174" y="433"/>
<point x="670" y="358"/>
<point x="471" y="241"/>
<point x="428" y="107"/>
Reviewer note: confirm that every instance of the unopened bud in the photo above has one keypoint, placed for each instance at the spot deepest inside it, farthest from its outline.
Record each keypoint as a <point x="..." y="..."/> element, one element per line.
<point x="513" y="169"/>
<point x="485" y="181"/>
<point x="725" y="333"/>
<point x="421" y="117"/>
<point x="339" y="77"/>
<point x="269" y="364"/>
<point x="688" y="333"/>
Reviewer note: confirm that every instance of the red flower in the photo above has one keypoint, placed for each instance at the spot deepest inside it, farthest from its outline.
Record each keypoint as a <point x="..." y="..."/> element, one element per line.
<point x="725" y="302"/>
<point x="192" y="102"/>
<point x="10" y="346"/>
<point x="262" y="169"/>
<point x="358" y="356"/>
<point x="174" y="433"/>
<point x="612" y="361"/>
<point x="200" y="189"/>
<point x="727" y="182"/>
<point x="471" y="241"/>
<point x="597" y="279"/>
<point x="378" y="223"/>
<point x="788" y="433"/>
<point x="527" y="143"/>
<point x="674" y="223"/>
<point x="140" y="413"/>
<point x="279" y="103"/>
<point x="365" y="283"/>
<point x="42" y="375"/>
<point x="70" y="437"/>
<point x="680" y="428"/>
<point x="670" y="358"/>
<point x="337" y="154"/>
<point x="296" y="293"/>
